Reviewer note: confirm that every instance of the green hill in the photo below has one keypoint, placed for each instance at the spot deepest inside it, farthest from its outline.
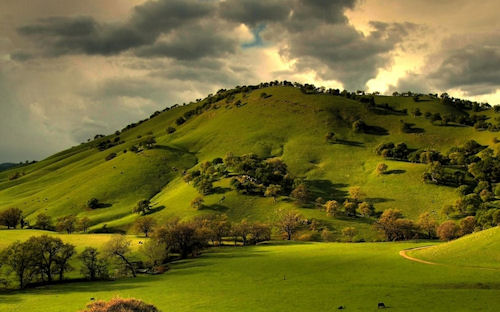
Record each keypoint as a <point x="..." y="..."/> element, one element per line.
<point x="276" y="121"/>
<point x="478" y="249"/>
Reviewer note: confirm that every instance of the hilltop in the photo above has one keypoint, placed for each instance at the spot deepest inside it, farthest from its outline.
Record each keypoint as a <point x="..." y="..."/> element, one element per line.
<point x="147" y="160"/>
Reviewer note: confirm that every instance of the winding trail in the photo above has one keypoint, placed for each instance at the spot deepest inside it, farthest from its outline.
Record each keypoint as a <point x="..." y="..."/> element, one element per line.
<point x="403" y="253"/>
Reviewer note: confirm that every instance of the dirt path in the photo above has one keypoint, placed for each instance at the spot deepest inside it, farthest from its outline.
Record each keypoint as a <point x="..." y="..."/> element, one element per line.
<point x="403" y="253"/>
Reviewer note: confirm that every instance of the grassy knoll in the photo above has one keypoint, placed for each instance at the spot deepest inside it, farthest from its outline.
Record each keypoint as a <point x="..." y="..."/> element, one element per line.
<point x="286" y="124"/>
<point x="287" y="277"/>
<point x="481" y="249"/>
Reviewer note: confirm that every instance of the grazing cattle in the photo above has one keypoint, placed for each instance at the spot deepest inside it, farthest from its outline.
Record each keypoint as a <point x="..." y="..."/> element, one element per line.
<point x="381" y="305"/>
<point x="92" y="299"/>
<point x="341" y="308"/>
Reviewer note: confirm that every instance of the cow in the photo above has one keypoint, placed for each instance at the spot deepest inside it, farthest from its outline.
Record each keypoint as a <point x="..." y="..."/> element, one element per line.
<point x="381" y="305"/>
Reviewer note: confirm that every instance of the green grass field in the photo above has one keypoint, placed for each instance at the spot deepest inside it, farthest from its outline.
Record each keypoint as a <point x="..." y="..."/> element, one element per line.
<point x="481" y="249"/>
<point x="287" y="277"/>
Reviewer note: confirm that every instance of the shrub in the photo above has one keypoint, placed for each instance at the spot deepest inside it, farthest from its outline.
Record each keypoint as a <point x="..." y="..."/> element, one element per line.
<point x="381" y="168"/>
<point x="93" y="203"/>
<point x="110" y="156"/>
<point x="300" y="194"/>
<point x="327" y="235"/>
<point x="332" y="208"/>
<point x="448" y="230"/>
<point x="170" y="130"/>
<point x="120" y="305"/>
<point x="349" y="232"/>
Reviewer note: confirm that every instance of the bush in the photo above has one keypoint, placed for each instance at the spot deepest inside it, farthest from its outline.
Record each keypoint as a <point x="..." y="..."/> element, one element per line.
<point x="120" y="305"/>
<point x="93" y="203"/>
<point x="381" y="168"/>
<point x="110" y="156"/>
<point x="170" y="130"/>
<point x="448" y="230"/>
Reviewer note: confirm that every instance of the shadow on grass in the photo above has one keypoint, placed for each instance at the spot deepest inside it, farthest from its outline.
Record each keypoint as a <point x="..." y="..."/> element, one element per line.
<point x="350" y="143"/>
<point x="326" y="189"/>
<point x="155" y="209"/>
<point x="375" y="130"/>
<point x="215" y="207"/>
<point x="396" y="171"/>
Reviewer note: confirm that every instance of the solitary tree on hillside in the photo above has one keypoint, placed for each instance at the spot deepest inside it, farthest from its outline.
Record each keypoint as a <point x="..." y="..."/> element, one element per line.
<point x="381" y="168"/>
<point x="93" y="203"/>
<point x="300" y="193"/>
<point x="145" y="224"/>
<point x="288" y="221"/>
<point x="10" y="217"/>
<point x="197" y="202"/>
<point x="84" y="224"/>
<point x="142" y="206"/>
<point x="43" y="221"/>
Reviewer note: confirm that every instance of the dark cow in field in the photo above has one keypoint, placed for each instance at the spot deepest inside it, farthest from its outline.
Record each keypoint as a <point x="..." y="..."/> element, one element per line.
<point x="381" y="305"/>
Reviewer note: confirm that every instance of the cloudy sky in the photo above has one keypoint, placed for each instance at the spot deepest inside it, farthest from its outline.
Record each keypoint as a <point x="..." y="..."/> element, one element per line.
<point x="72" y="68"/>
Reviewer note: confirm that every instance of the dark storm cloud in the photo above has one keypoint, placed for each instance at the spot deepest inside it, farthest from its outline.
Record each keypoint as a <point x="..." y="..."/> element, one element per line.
<point x="85" y="35"/>
<point x="252" y="12"/>
<point x="474" y="69"/>
<point x="469" y="64"/>
<point x="342" y="53"/>
<point x="191" y="42"/>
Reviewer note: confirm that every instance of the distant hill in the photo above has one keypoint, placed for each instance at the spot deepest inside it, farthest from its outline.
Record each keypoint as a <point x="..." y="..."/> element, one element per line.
<point x="5" y="166"/>
<point x="284" y="121"/>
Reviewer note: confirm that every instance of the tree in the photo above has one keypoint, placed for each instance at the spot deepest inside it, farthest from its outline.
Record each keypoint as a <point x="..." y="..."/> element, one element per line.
<point x="218" y="227"/>
<point x="366" y="209"/>
<point x="273" y="190"/>
<point x="145" y="225"/>
<point x="394" y="227"/>
<point x="330" y="137"/>
<point x="349" y="233"/>
<point x="155" y="252"/>
<point x="350" y="208"/>
<point x="51" y="255"/>
<point x="19" y="258"/>
<point x="242" y="229"/>
<point x="170" y="130"/>
<point x="355" y="193"/>
<point x="120" y="305"/>
<point x="381" y="168"/>
<point x="61" y="260"/>
<point x="93" y="266"/>
<point x="288" y="221"/>
<point x="427" y="224"/>
<point x="182" y="237"/>
<point x="300" y="193"/>
<point x="467" y="225"/>
<point x="93" y="203"/>
<point x="197" y="202"/>
<point x="448" y="230"/>
<point x="84" y="224"/>
<point x="142" y="206"/>
<point x="66" y="224"/>
<point x="148" y="142"/>
<point x="118" y="248"/>
<point x="332" y="208"/>
<point x="43" y="221"/>
<point x="10" y="217"/>
<point x="358" y="126"/>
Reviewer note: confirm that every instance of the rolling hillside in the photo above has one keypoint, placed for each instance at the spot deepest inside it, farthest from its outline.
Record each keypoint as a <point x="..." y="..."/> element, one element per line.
<point x="276" y="121"/>
<point x="478" y="250"/>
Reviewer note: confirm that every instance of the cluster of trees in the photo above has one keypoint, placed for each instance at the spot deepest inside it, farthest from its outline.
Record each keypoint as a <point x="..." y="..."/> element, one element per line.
<point x="395" y="227"/>
<point x="250" y="175"/>
<point x="351" y="207"/>
<point x="472" y="168"/>
<point x="148" y="142"/>
<point x="12" y="217"/>
<point x="39" y="259"/>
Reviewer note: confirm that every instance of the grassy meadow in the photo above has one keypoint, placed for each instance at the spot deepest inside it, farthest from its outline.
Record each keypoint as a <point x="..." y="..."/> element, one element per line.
<point x="286" y="277"/>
